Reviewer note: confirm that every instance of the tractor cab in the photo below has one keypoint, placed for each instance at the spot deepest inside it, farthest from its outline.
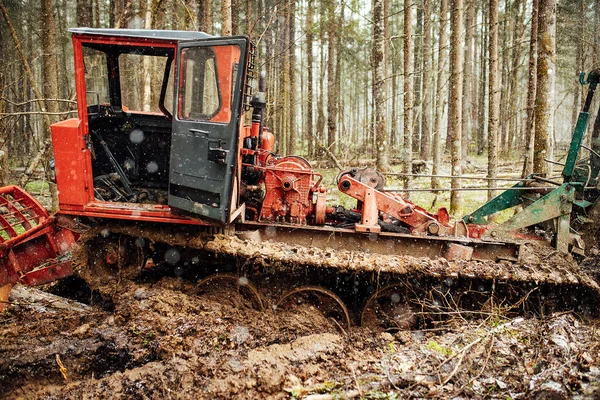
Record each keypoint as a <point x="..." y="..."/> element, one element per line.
<point x="158" y="127"/>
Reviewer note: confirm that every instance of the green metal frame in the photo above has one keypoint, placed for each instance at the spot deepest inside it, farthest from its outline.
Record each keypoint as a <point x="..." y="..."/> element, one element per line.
<point x="554" y="208"/>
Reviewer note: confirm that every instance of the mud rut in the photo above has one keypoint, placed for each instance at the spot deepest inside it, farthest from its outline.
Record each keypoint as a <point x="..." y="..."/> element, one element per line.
<point x="155" y="335"/>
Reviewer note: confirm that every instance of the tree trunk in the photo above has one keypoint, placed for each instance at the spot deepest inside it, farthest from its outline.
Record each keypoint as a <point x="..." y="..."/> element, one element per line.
<point x="226" y="17"/>
<point x="503" y="29"/>
<point x="249" y="19"/>
<point x="426" y="114"/>
<point x="309" y="80"/>
<point x="455" y="101"/>
<point x="84" y="13"/>
<point x="531" y="91"/>
<point x="49" y="67"/>
<point x="494" y="98"/>
<point x="205" y="16"/>
<point x="468" y="76"/>
<point x="408" y="92"/>
<point x="379" y="96"/>
<point x="147" y="64"/>
<point x="439" y="96"/>
<point x="483" y="82"/>
<point x="545" y="84"/>
<point x="417" y="80"/>
<point x="331" y="100"/>
<point x="292" y="73"/>
<point x="3" y="121"/>
<point x="321" y="137"/>
<point x="235" y="16"/>
<point x="519" y="29"/>
<point x="579" y="63"/>
<point x="337" y="79"/>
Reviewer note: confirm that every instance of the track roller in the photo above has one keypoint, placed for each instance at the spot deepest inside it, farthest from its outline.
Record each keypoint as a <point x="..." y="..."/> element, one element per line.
<point x="221" y="285"/>
<point x="323" y="299"/>
<point x="389" y="309"/>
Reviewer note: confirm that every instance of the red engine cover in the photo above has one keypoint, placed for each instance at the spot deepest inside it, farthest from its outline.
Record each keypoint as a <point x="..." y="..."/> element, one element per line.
<point x="288" y="194"/>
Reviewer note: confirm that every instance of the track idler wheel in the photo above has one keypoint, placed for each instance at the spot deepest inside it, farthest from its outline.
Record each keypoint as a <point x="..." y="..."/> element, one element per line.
<point x="388" y="309"/>
<point x="231" y="289"/>
<point x="327" y="302"/>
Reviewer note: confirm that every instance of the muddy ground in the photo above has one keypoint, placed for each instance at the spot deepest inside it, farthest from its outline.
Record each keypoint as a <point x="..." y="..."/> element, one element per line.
<point x="161" y="340"/>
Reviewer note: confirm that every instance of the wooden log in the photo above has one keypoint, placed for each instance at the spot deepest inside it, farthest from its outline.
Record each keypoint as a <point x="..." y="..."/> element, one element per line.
<point x="42" y="301"/>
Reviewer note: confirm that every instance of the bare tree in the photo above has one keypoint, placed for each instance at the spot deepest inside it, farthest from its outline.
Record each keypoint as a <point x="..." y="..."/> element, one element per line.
<point x="439" y="93"/>
<point x="455" y="101"/>
<point x="309" y="71"/>
<point x="531" y="90"/>
<point x="292" y="72"/>
<point x="408" y="94"/>
<point x="545" y="84"/>
<point x="3" y="121"/>
<point x="426" y="114"/>
<point x="226" y="28"/>
<point x="494" y="100"/>
<point x="331" y="91"/>
<point x="205" y="16"/>
<point x="467" y="101"/>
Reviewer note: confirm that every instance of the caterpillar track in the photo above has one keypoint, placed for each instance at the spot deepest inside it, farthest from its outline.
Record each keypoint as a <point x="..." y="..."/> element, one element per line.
<point x="352" y="287"/>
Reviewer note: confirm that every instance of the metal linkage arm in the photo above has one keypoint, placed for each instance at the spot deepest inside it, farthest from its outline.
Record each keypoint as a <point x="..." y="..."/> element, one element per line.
<point x="417" y="218"/>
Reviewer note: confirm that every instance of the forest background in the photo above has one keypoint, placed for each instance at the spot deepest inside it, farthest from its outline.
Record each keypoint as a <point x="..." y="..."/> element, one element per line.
<point x="384" y="82"/>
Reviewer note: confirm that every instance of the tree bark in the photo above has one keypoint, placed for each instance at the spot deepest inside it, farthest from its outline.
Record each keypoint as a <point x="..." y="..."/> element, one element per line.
<point x="482" y="83"/>
<point x="494" y="98"/>
<point x="321" y="137"/>
<point x="50" y="88"/>
<point x="309" y="79"/>
<point x="205" y="16"/>
<point x="226" y="17"/>
<point x="519" y="29"/>
<point x="426" y="114"/>
<point x="439" y="96"/>
<point x="292" y="73"/>
<point x="545" y="84"/>
<point x="417" y="80"/>
<point x="408" y="92"/>
<point x="531" y="91"/>
<point x="455" y="101"/>
<point x="331" y="91"/>
<point x="235" y="16"/>
<point x="579" y="63"/>
<point x="3" y="121"/>
<point x="467" y="101"/>
<point x="378" y="56"/>
<point x="84" y="13"/>
<point x="147" y="65"/>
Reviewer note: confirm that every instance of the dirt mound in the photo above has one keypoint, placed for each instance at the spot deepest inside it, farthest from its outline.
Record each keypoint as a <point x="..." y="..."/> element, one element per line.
<point x="164" y="341"/>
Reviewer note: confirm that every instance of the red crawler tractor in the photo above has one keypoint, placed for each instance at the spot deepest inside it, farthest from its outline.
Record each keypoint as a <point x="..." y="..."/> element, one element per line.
<point x="179" y="148"/>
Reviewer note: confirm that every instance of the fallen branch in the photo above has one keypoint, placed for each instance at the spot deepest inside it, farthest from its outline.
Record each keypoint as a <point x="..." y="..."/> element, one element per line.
<point x="38" y="299"/>
<point x="332" y="157"/>
<point x="465" y="349"/>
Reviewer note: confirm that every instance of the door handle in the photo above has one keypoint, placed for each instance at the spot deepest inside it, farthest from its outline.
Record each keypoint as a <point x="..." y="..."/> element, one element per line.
<point x="193" y="130"/>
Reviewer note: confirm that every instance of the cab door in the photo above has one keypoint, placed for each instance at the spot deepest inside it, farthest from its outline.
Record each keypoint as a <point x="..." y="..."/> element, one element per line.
<point x="208" y="104"/>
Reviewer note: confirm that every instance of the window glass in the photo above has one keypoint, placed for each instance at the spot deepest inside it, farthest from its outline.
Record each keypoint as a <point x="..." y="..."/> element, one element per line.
<point x="96" y="76"/>
<point x="141" y="82"/>
<point x="200" y="95"/>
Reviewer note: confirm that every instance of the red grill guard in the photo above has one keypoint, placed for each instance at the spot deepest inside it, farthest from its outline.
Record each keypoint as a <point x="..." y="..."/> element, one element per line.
<point x="31" y="243"/>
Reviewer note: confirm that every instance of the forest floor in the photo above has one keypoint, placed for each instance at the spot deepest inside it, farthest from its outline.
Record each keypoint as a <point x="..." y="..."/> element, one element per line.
<point x="161" y="340"/>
